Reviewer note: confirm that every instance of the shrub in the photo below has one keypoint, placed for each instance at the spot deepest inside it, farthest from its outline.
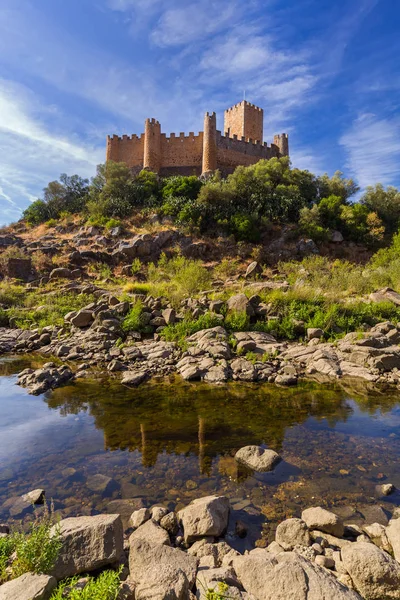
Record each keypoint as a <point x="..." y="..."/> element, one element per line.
<point x="134" y="320"/>
<point x="180" y="331"/>
<point x="38" y="212"/>
<point x="244" y="228"/>
<point x="181" y="186"/>
<point x="178" y="277"/>
<point x="103" y="587"/>
<point x="237" y="321"/>
<point x="227" y="268"/>
<point x="35" y="551"/>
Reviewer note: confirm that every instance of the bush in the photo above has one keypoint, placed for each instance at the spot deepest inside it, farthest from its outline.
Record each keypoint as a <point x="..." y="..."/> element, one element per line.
<point x="180" y="331"/>
<point x="178" y="278"/>
<point x="180" y="186"/>
<point x="134" y="320"/>
<point x="244" y="228"/>
<point x="35" y="551"/>
<point x="104" y="587"/>
<point x="38" y="212"/>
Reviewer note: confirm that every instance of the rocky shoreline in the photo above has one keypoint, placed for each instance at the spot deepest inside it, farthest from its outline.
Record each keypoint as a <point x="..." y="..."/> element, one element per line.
<point x="185" y="555"/>
<point x="93" y="339"/>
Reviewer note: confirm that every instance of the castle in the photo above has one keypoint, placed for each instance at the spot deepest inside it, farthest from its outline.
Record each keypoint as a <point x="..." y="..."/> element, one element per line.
<point x="202" y="154"/>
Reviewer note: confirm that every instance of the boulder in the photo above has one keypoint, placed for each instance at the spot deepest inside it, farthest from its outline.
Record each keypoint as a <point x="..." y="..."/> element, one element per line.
<point x="83" y="318"/>
<point x="324" y="520"/>
<point x="34" y="496"/>
<point x="133" y="377"/>
<point x="288" y="576"/>
<point x="88" y="544"/>
<point x="169" y="316"/>
<point x="253" y="270"/>
<point x="393" y="535"/>
<point x="139" y="517"/>
<point x="205" y="517"/>
<point x="152" y="533"/>
<point x="28" y="587"/>
<point x="257" y="458"/>
<point x="336" y="237"/>
<point x="61" y="273"/>
<point x="291" y="533"/>
<point x="385" y="295"/>
<point x="160" y="572"/>
<point x="377" y="534"/>
<point x="241" y="304"/>
<point x="375" y="574"/>
<point x="19" y="268"/>
<point x="314" y="333"/>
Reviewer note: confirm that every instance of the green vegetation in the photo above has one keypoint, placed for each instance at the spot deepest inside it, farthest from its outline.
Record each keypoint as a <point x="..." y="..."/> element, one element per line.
<point x="135" y="321"/>
<point x="245" y="204"/>
<point x="38" y="309"/>
<point x="103" y="587"/>
<point x="35" y="551"/>
<point x="180" y="331"/>
<point x="177" y="278"/>
<point x="218" y="593"/>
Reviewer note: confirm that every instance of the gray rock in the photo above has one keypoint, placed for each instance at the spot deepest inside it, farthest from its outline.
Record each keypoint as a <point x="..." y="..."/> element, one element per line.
<point x="139" y="517"/>
<point x="83" y="318"/>
<point x="152" y="533"/>
<point x="61" y="273"/>
<point x="28" y="587"/>
<point x="385" y="489"/>
<point x="393" y="535"/>
<point x="88" y="544"/>
<point x="291" y="533"/>
<point x="241" y="304"/>
<point x="257" y="458"/>
<point x="288" y="576"/>
<point x="35" y="496"/>
<point x="170" y="523"/>
<point x="169" y="316"/>
<point x="134" y="377"/>
<point x="377" y="534"/>
<point x="324" y="520"/>
<point x="336" y="237"/>
<point x="375" y="574"/>
<point x="205" y="516"/>
<point x="314" y="333"/>
<point x="253" y="270"/>
<point x="160" y="572"/>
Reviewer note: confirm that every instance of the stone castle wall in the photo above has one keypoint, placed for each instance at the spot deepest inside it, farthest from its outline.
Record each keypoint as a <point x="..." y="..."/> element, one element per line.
<point x="202" y="153"/>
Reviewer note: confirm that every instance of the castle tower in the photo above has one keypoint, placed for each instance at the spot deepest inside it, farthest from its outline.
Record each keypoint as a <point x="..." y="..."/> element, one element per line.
<point x="209" y="144"/>
<point x="244" y="120"/>
<point x="112" y="148"/>
<point x="152" y="145"/>
<point x="282" y="142"/>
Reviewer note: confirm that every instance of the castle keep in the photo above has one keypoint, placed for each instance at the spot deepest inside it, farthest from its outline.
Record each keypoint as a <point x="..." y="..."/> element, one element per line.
<point x="202" y="154"/>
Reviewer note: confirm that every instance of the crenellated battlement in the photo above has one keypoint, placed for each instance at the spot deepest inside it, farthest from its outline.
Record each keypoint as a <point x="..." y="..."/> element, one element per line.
<point x="241" y="144"/>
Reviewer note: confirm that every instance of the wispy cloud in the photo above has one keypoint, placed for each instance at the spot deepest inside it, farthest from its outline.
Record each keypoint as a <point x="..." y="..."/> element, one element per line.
<point x="31" y="154"/>
<point x="372" y="147"/>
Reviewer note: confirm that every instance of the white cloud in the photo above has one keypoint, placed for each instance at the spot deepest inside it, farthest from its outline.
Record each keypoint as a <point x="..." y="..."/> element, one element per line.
<point x="31" y="154"/>
<point x="372" y="146"/>
<point x="186" y="24"/>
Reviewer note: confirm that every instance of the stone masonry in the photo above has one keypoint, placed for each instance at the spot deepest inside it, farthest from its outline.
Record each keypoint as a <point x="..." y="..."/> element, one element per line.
<point x="202" y="154"/>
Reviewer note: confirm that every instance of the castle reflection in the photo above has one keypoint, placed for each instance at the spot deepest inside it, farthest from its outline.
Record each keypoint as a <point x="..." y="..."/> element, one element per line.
<point x="189" y="419"/>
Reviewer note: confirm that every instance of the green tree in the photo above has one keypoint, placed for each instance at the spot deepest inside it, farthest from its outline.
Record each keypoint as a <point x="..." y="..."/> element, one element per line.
<point x="337" y="185"/>
<point x="187" y="187"/>
<point x="385" y="203"/>
<point x="36" y="213"/>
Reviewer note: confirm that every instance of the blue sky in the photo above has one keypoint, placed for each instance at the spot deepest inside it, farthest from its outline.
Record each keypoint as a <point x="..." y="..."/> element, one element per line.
<point x="325" y="71"/>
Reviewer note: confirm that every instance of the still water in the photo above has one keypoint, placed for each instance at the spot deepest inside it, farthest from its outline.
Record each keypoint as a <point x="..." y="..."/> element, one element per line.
<point x="169" y="443"/>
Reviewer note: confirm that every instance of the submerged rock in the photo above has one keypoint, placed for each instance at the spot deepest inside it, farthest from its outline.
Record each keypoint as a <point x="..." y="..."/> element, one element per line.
<point x="257" y="458"/>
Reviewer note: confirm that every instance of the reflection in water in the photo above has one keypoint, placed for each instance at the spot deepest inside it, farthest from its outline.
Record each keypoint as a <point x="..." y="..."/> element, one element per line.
<point x="175" y="441"/>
